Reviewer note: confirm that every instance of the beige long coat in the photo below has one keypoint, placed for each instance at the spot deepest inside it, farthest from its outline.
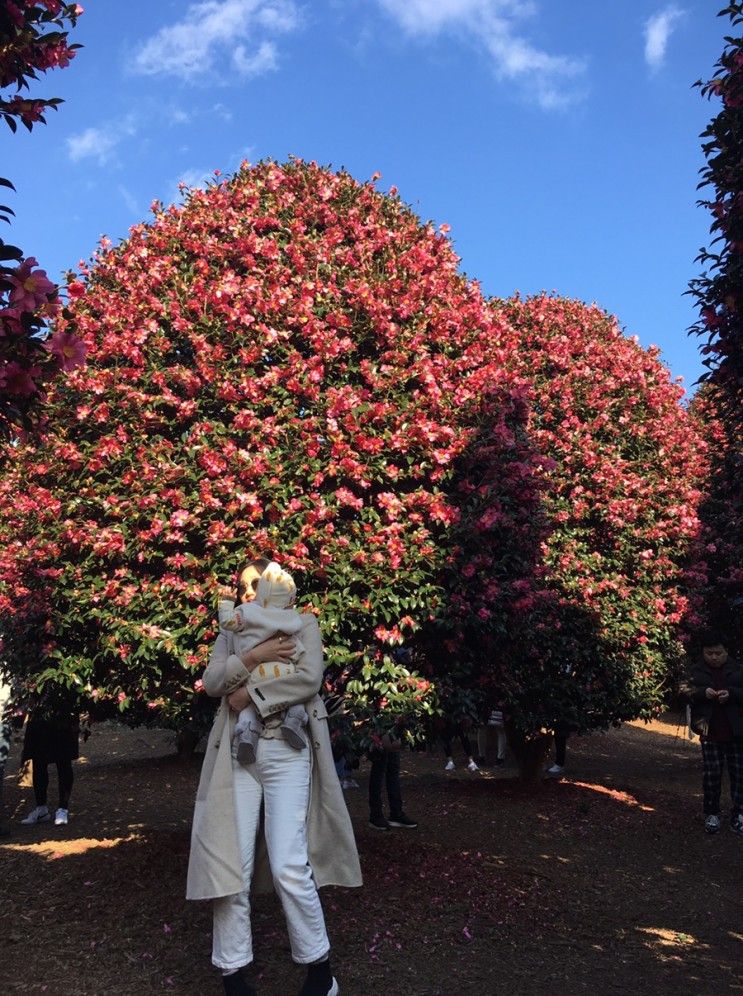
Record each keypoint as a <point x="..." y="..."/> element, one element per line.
<point x="214" y="867"/>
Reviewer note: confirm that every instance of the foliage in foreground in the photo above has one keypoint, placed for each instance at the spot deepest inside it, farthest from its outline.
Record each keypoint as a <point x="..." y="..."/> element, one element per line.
<point x="28" y="299"/>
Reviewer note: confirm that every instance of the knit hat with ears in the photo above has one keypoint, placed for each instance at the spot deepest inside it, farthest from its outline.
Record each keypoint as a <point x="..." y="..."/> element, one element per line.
<point x="275" y="587"/>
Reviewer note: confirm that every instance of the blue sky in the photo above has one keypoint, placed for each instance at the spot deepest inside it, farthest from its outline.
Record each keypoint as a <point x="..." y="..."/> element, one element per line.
<point x="559" y="140"/>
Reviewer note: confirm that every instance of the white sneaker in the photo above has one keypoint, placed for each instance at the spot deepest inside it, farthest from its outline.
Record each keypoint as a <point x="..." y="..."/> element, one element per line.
<point x="712" y="824"/>
<point x="472" y="766"/>
<point x="39" y="815"/>
<point x="556" y="771"/>
<point x="61" y="817"/>
<point x="737" y="824"/>
<point x="450" y="765"/>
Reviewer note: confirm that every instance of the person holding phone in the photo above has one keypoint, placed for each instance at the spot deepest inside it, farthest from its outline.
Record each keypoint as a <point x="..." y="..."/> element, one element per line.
<point x="714" y="688"/>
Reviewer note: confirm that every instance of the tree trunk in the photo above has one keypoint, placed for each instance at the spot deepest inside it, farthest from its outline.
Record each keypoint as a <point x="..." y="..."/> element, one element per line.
<point x="530" y="752"/>
<point x="185" y="741"/>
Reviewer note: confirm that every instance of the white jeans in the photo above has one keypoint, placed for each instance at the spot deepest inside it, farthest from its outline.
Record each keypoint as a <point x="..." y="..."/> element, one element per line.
<point x="281" y="778"/>
<point x="483" y="738"/>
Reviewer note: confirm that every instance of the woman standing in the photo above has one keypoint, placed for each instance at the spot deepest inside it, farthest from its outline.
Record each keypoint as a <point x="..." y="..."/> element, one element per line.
<point x="305" y="840"/>
<point x="52" y="737"/>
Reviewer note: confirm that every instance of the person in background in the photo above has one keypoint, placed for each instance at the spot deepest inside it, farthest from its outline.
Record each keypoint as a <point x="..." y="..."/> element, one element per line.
<point x="448" y="733"/>
<point x="497" y="723"/>
<point x="561" y="734"/>
<point x="344" y="752"/>
<point x="52" y="737"/>
<point x="6" y="733"/>
<point x="714" y="689"/>
<point x="385" y="773"/>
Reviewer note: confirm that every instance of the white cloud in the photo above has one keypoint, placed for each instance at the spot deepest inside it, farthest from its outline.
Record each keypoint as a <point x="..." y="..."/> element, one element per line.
<point x="551" y="80"/>
<point x="218" y="33"/>
<point x="255" y="63"/>
<point x="195" y="177"/>
<point x="658" y="30"/>
<point x="100" y="143"/>
<point x="200" y="177"/>
<point x="129" y="199"/>
<point x="179" y="116"/>
<point x="427" y="17"/>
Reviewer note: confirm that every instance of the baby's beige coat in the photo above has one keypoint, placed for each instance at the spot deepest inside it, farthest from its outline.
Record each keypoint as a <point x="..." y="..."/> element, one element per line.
<point x="214" y="864"/>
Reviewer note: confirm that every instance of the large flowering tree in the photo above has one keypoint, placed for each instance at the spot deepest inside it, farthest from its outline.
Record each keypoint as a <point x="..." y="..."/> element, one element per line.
<point x="601" y="640"/>
<point x="289" y="364"/>
<point x="33" y="40"/>
<point x="719" y="296"/>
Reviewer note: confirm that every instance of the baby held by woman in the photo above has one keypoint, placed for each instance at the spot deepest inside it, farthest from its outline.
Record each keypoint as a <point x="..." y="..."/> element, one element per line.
<point x="251" y="623"/>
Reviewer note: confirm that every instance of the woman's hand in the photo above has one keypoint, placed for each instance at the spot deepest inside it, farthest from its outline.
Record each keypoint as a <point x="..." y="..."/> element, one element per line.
<point x="278" y="648"/>
<point x="239" y="699"/>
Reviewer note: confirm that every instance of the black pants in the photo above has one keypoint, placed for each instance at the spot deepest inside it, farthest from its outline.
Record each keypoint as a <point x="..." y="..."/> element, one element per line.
<point x="41" y="782"/>
<point x="385" y="770"/>
<point x="561" y="746"/>
<point x="562" y="731"/>
<point x="447" y="738"/>
<point x="714" y="758"/>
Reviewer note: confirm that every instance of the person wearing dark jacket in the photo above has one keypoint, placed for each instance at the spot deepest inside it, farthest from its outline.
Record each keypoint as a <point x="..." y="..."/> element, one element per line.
<point x="714" y="687"/>
<point x="52" y="737"/>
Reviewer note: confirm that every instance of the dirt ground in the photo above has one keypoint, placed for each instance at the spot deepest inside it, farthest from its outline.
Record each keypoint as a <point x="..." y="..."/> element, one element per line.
<point x="602" y="882"/>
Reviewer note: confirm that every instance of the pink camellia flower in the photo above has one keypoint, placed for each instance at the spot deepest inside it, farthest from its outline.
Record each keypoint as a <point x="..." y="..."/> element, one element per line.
<point x="29" y="111"/>
<point x="15" y="14"/>
<point x="56" y="56"/>
<point x="10" y="321"/>
<point x="75" y="289"/>
<point x="17" y="380"/>
<point x="31" y="286"/>
<point x="69" y="350"/>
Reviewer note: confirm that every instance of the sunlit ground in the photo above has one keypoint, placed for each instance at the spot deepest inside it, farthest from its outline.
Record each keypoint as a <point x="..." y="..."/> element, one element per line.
<point x="55" y="849"/>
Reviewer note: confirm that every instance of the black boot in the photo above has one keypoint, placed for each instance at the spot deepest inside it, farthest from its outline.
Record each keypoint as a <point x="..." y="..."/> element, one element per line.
<point x="319" y="981"/>
<point x="237" y="985"/>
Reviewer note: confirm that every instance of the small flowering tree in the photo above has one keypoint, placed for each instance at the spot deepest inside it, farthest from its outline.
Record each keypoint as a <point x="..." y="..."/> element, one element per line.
<point x="719" y="296"/>
<point x="600" y="642"/>
<point x="291" y="365"/>
<point x="28" y="299"/>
